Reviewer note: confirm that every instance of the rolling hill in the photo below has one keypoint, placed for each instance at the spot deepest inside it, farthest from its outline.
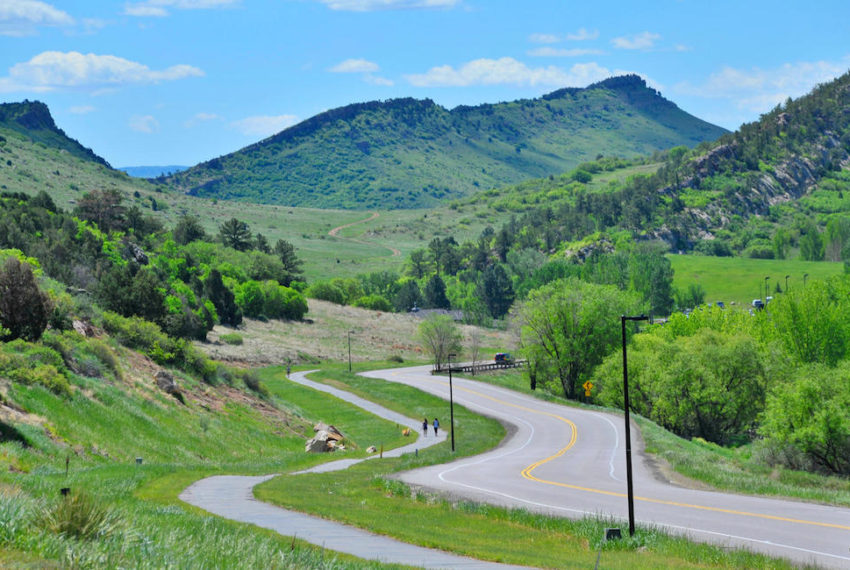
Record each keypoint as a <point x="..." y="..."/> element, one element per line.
<point x="408" y="153"/>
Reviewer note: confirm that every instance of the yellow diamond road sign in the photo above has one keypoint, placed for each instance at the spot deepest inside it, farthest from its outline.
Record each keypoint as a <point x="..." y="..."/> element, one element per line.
<point x="588" y="386"/>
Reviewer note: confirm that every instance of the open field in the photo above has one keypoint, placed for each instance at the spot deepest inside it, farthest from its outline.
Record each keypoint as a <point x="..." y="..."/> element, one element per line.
<point x="740" y="280"/>
<point x="324" y="336"/>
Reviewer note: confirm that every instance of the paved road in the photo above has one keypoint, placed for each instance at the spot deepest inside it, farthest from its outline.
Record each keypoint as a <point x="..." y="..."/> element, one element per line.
<point x="233" y="497"/>
<point x="571" y="462"/>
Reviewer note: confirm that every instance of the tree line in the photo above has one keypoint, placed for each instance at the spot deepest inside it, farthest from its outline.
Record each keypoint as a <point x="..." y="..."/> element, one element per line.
<point x="106" y="256"/>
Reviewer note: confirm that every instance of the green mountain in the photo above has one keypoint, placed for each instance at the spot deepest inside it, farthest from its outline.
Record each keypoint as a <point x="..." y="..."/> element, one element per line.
<point x="776" y="188"/>
<point x="33" y="120"/>
<point x="407" y="153"/>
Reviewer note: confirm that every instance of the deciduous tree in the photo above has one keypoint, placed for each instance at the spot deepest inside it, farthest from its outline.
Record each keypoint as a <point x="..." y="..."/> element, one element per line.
<point x="568" y="326"/>
<point x="440" y="336"/>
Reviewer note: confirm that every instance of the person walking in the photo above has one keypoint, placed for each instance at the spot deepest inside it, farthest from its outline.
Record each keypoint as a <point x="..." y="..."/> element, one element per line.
<point x="425" y="427"/>
<point x="436" y="426"/>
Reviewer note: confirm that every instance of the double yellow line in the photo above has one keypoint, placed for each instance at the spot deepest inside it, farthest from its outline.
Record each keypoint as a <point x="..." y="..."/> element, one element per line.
<point x="527" y="473"/>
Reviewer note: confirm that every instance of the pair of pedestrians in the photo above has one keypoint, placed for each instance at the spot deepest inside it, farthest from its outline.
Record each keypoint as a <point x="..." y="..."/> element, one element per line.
<point x="425" y="427"/>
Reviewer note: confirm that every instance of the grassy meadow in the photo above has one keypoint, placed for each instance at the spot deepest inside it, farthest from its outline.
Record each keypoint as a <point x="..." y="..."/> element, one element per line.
<point x="740" y="280"/>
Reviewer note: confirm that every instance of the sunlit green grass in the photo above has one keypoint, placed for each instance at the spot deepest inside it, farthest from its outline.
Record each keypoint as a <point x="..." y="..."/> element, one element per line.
<point x="741" y="279"/>
<point x="367" y="496"/>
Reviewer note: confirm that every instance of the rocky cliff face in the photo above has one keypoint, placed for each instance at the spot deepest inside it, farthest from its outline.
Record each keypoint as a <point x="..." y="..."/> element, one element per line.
<point x="790" y="180"/>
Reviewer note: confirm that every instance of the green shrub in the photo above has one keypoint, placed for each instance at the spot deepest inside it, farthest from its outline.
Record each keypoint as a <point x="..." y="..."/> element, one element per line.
<point x="231" y="338"/>
<point x="811" y="416"/>
<point x="81" y="517"/>
<point x="249" y="298"/>
<point x="63" y="343"/>
<point x="326" y="291"/>
<point x="132" y="332"/>
<point x="252" y="381"/>
<point x="103" y="352"/>
<point x="45" y="375"/>
<point x="373" y="302"/>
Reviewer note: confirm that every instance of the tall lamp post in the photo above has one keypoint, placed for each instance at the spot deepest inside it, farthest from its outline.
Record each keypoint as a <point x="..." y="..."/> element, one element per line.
<point x="626" y="405"/>
<point x="349" y="351"/>
<point x="451" y="403"/>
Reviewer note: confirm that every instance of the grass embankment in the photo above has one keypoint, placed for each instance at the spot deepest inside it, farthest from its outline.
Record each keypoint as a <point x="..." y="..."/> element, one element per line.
<point x="736" y="470"/>
<point x="741" y="279"/>
<point x="368" y="496"/>
<point x="128" y="515"/>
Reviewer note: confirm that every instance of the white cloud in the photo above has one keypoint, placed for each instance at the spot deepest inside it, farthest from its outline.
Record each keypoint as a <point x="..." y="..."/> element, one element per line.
<point x="508" y="71"/>
<point x="82" y="109"/>
<point x="159" y="8"/>
<point x="556" y="52"/>
<point x="374" y="5"/>
<point x="145" y="11"/>
<point x="52" y="70"/>
<point x="544" y="38"/>
<point x="377" y="80"/>
<point x="759" y="90"/>
<point x="21" y="17"/>
<point x="198" y="118"/>
<point x="206" y="116"/>
<point x="365" y="67"/>
<point x="582" y="35"/>
<point x="264" y="125"/>
<point x="144" y="124"/>
<point x="355" y="66"/>
<point x="644" y="40"/>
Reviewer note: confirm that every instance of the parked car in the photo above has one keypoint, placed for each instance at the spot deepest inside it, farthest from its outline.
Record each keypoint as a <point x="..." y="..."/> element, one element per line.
<point x="503" y="358"/>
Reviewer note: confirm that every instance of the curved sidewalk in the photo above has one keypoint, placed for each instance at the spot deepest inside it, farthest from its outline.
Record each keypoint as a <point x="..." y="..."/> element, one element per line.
<point x="232" y="497"/>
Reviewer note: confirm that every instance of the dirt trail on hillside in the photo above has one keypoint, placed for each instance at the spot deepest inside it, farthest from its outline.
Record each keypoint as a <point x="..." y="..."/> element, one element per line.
<point x="335" y="233"/>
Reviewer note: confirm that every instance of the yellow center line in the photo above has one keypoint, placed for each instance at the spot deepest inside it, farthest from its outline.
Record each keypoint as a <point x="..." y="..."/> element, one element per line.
<point x="527" y="474"/>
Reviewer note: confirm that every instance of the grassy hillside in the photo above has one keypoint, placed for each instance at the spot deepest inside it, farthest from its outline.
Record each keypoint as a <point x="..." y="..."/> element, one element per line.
<point x="407" y="153"/>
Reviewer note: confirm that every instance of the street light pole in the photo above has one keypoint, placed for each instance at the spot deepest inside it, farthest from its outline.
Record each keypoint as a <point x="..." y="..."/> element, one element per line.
<point x="626" y="405"/>
<point x="451" y="404"/>
<point x="349" y="351"/>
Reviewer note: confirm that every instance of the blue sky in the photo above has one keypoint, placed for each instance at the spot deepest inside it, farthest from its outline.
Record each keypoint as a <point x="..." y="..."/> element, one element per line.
<point x="156" y="82"/>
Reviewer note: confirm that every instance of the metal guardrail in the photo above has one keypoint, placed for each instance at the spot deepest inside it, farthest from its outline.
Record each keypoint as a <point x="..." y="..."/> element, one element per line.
<point x="476" y="368"/>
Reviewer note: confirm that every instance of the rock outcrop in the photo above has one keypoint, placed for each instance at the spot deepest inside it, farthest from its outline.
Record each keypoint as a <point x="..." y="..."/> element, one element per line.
<point x="326" y="438"/>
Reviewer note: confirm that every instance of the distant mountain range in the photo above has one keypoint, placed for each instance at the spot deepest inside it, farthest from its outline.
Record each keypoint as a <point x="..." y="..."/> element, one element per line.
<point x="151" y="171"/>
<point x="408" y="153"/>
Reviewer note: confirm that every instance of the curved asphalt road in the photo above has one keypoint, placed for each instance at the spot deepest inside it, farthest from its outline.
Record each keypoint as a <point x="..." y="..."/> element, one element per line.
<point x="232" y="497"/>
<point x="571" y="462"/>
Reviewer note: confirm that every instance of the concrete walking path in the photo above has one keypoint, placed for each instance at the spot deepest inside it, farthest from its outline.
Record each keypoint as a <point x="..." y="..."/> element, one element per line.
<point x="232" y="497"/>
